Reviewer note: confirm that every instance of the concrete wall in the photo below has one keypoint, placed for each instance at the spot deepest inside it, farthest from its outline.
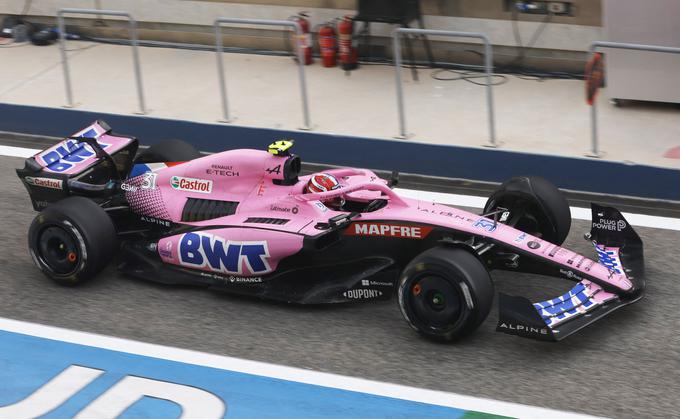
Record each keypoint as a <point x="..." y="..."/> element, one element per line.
<point x="561" y="46"/>
<point x="566" y="33"/>
<point x="586" y="12"/>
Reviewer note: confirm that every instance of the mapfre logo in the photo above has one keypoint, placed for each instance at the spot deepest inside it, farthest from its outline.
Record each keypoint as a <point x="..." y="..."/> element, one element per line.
<point x="191" y="185"/>
<point x="44" y="182"/>
<point x="388" y="230"/>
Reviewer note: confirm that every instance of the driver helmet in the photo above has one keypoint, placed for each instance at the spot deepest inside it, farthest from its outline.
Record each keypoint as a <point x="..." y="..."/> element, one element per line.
<point x="323" y="182"/>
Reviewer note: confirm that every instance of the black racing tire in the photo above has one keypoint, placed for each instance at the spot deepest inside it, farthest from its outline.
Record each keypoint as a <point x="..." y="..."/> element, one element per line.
<point x="445" y="293"/>
<point x="72" y="240"/>
<point x="544" y="211"/>
<point x="168" y="151"/>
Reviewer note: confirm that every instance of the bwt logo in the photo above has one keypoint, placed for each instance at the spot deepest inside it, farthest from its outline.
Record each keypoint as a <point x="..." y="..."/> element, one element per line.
<point x="194" y="402"/>
<point x="201" y="250"/>
<point x="68" y="154"/>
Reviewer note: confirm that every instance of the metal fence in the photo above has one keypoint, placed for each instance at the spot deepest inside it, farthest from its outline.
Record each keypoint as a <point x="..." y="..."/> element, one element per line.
<point x="396" y="37"/>
<point x="595" y="151"/>
<point x="264" y="22"/>
<point x="132" y="29"/>
<point x="488" y="68"/>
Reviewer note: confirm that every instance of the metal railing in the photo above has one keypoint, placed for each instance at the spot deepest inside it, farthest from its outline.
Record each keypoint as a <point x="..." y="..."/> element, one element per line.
<point x="264" y="22"/>
<point x="595" y="152"/>
<point x="132" y="29"/>
<point x="488" y="68"/>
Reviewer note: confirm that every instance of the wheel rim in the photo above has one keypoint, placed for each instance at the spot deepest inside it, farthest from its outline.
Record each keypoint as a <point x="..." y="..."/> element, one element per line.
<point x="58" y="250"/>
<point x="436" y="302"/>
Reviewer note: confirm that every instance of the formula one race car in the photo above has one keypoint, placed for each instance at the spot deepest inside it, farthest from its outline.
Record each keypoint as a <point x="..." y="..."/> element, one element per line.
<point x="245" y="221"/>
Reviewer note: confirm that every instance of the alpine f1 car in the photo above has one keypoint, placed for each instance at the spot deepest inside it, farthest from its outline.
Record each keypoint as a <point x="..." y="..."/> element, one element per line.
<point x="247" y="222"/>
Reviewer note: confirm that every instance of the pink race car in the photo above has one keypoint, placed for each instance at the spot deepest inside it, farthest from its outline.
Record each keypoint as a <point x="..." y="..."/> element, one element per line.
<point x="245" y="221"/>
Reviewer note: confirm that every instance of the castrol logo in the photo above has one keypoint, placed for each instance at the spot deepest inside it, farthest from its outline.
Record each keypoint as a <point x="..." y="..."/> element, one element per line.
<point x="44" y="182"/>
<point x="191" y="185"/>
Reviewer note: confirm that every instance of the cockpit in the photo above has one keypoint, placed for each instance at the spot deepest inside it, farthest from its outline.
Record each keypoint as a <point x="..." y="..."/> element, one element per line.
<point x="349" y="190"/>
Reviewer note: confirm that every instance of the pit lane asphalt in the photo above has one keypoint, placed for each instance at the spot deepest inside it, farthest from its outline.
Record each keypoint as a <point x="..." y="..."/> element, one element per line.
<point x="625" y="365"/>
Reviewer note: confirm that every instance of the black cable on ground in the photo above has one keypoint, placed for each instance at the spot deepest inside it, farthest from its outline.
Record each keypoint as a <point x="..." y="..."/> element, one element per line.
<point x="468" y="76"/>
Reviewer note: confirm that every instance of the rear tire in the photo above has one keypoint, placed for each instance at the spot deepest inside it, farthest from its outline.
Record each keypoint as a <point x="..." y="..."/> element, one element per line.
<point x="445" y="293"/>
<point x="544" y="211"/>
<point x="72" y="240"/>
<point x="168" y="151"/>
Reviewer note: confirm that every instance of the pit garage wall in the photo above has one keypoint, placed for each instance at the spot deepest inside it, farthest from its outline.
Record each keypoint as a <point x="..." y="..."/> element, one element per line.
<point x="194" y="18"/>
<point x="493" y="165"/>
<point x="586" y="12"/>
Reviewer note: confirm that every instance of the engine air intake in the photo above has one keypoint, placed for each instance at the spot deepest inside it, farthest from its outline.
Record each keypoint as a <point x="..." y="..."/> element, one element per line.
<point x="207" y="209"/>
<point x="266" y="220"/>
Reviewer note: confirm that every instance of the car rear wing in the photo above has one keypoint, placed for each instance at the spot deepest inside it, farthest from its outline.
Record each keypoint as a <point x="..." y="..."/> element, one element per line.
<point x="74" y="165"/>
<point x="619" y="248"/>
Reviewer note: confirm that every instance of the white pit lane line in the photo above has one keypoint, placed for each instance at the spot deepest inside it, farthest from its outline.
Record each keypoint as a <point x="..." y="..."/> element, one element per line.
<point x="16" y="151"/>
<point x="298" y="375"/>
<point x="577" y="213"/>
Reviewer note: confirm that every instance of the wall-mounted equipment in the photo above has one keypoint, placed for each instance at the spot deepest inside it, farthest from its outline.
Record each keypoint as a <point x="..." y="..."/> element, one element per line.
<point x="560" y="8"/>
<point x="389" y="11"/>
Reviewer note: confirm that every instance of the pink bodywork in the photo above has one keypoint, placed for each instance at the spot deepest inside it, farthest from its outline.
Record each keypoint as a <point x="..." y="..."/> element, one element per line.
<point x="246" y="176"/>
<point x="71" y="157"/>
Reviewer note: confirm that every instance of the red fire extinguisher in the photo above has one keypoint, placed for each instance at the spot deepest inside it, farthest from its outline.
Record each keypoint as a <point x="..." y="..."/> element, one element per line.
<point x="303" y="41"/>
<point x="348" y="51"/>
<point x="327" y="45"/>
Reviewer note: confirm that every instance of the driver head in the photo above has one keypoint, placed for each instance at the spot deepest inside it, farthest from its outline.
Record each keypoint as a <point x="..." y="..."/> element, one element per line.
<point x="323" y="182"/>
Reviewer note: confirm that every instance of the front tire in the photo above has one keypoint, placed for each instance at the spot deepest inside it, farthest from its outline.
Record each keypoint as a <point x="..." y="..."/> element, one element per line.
<point x="536" y="207"/>
<point x="445" y="293"/>
<point x="72" y="240"/>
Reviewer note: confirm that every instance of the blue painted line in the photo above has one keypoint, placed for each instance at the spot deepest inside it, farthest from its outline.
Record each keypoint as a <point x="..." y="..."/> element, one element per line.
<point x="28" y="362"/>
<point x="581" y="174"/>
